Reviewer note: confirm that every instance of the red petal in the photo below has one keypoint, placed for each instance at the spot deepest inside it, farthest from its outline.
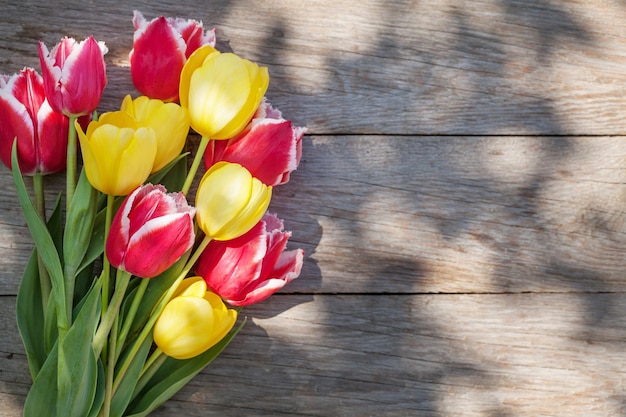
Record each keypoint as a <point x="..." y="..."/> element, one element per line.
<point x="159" y="244"/>
<point x="52" y="139"/>
<point x="268" y="150"/>
<point x="157" y="59"/>
<point x="229" y="266"/>
<point x="16" y="122"/>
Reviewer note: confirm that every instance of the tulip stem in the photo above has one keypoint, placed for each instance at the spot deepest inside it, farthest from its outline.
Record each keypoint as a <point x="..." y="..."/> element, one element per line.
<point x="195" y="164"/>
<point x="130" y="317"/>
<point x="99" y="339"/>
<point x="108" y="382"/>
<point x="106" y="266"/>
<point x="147" y="329"/>
<point x="70" y="184"/>
<point x="40" y="206"/>
<point x="151" y="366"/>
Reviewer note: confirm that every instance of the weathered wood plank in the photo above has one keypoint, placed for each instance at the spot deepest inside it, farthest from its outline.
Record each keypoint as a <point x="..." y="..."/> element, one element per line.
<point x="427" y="355"/>
<point x="403" y="67"/>
<point x="438" y="214"/>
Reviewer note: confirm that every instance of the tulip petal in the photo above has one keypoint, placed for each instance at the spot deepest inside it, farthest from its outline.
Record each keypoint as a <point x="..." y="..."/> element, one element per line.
<point x="158" y="244"/>
<point x="154" y="73"/>
<point x="222" y="193"/>
<point x="194" y="61"/>
<point x="16" y="122"/>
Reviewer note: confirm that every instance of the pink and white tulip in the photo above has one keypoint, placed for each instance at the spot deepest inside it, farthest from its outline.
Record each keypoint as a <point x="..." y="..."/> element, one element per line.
<point x="150" y="231"/>
<point x="26" y="115"/>
<point x="252" y="267"/>
<point x="270" y="147"/>
<point x="74" y="75"/>
<point x="160" y="49"/>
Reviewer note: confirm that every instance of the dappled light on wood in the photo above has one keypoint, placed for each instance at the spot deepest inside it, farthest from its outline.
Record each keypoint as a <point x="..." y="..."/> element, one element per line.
<point x="461" y="204"/>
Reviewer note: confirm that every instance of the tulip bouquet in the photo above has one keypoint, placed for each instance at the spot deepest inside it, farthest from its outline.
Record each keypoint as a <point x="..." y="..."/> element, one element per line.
<point x="131" y="290"/>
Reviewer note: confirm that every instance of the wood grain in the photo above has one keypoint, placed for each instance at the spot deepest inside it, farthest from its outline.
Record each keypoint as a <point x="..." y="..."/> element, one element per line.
<point x="429" y="355"/>
<point x="438" y="214"/>
<point x="460" y="203"/>
<point x="402" y="67"/>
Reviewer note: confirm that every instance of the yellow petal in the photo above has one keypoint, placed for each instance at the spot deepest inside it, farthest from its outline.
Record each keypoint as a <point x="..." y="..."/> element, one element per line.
<point x="185" y="327"/>
<point x="195" y="289"/>
<point x="194" y="61"/>
<point x="257" y="91"/>
<point x="136" y="161"/>
<point x="250" y="215"/>
<point x="223" y="191"/>
<point x="186" y="283"/>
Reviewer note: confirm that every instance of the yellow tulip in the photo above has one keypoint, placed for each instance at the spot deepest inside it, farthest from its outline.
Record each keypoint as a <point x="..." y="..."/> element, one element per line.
<point x="169" y="121"/>
<point x="221" y="91"/>
<point x="230" y="201"/>
<point x="118" y="154"/>
<point x="193" y="321"/>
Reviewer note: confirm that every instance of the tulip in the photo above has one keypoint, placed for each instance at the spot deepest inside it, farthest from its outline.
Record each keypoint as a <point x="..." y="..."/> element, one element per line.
<point x="25" y="114"/>
<point x="169" y="121"/>
<point x="221" y="91"/>
<point x="74" y="75"/>
<point x="160" y="49"/>
<point x="151" y="230"/>
<point x="193" y="321"/>
<point x="252" y="267"/>
<point x="270" y="147"/>
<point x="230" y="201"/>
<point x="118" y="153"/>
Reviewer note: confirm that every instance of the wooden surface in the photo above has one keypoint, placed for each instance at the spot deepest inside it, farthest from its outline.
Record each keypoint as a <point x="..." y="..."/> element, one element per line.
<point x="461" y="202"/>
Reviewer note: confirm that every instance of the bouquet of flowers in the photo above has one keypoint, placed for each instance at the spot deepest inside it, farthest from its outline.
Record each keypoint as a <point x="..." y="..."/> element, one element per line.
<point x="131" y="290"/>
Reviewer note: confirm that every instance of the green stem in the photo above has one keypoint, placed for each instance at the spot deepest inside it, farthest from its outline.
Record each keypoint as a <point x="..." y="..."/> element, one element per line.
<point x="106" y="266"/>
<point x="99" y="339"/>
<point x="157" y="312"/>
<point x="108" y="382"/>
<point x="130" y="317"/>
<point x="195" y="164"/>
<point x="40" y="206"/>
<point x="70" y="176"/>
<point x="151" y="366"/>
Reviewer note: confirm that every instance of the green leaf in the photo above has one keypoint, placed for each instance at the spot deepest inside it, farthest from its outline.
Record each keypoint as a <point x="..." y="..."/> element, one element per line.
<point x="95" y="247"/>
<point x="39" y="232"/>
<point x="30" y="316"/>
<point x="78" y="366"/>
<point x="172" y="376"/>
<point x="124" y="392"/>
<point x="99" y="397"/>
<point x="79" y="225"/>
<point x="42" y="396"/>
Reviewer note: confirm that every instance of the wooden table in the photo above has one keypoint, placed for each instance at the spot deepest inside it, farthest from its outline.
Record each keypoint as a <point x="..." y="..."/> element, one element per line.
<point x="461" y="202"/>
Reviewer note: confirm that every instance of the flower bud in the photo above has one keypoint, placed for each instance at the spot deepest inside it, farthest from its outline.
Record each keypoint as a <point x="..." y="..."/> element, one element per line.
<point x="193" y="321"/>
<point x="169" y="121"/>
<point x="150" y="231"/>
<point x="118" y="153"/>
<point x="270" y="147"/>
<point x="160" y="49"/>
<point x="25" y="114"/>
<point x="221" y="91"/>
<point x="230" y="201"/>
<point x="252" y="267"/>
<point x="74" y="75"/>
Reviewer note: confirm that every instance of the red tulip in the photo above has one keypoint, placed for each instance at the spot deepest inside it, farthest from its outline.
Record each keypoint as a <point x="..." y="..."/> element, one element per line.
<point x="150" y="231"/>
<point x="74" y="75"/>
<point x="26" y="115"/>
<point x="160" y="49"/>
<point x="270" y="147"/>
<point x="252" y="267"/>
